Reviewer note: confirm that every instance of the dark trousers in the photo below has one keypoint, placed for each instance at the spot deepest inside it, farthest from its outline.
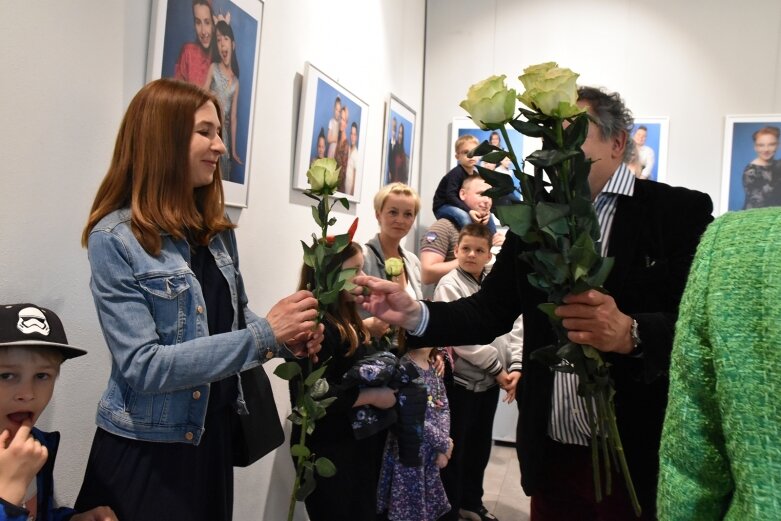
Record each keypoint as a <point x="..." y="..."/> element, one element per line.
<point x="567" y="491"/>
<point x="471" y="427"/>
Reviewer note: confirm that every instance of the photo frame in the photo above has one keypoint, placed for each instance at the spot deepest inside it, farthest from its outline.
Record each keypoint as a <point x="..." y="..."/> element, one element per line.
<point x="749" y="141"/>
<point x="177" y="34"/>
<point x="651" y="136"/>
<point x="522" y="145"/>
<point x="397" y="154"/>
<point x="321" y="134"/>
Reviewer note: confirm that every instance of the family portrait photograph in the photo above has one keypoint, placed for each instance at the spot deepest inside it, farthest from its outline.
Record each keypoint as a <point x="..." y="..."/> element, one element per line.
<point x="751" y="175"/>
<point x="331" y="125"/>
<point x="214" y="44"/>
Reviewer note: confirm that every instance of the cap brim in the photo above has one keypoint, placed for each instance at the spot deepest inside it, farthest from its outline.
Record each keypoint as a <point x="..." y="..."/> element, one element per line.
<point x="66" y="350"/>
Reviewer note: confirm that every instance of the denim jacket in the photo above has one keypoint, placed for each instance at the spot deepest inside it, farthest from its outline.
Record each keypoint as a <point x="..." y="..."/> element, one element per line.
<point x="153" y="317"/>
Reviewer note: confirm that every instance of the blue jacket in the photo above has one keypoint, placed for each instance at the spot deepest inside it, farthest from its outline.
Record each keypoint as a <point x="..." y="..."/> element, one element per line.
<point x="153" y="316"/>
<point x="45" y="483"/>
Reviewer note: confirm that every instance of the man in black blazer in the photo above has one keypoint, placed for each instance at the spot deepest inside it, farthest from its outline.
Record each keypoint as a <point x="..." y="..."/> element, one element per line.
<point x="652" y="230"/>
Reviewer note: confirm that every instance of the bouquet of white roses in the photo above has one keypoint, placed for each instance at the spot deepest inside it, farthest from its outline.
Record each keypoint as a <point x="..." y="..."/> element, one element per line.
<point x="557" y="219"/>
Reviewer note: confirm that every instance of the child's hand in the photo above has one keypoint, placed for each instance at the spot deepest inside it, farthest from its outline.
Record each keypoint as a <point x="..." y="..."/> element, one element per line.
<point x="380" y="397"/>
<point x="512" y="385"/>
<point x="449" y="452"/>
<point x="439" y="364"/>
<point x="20" y="460"/>
<point x="479" y="217"/>
<point x="96" y="514"/>
<point x="376" y="327"/>
<point x="441" y="460"/>
<point x="503" y="379"/>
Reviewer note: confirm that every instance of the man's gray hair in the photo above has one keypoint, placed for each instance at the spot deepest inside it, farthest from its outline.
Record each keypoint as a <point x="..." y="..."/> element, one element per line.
<point x="610" y="115"/>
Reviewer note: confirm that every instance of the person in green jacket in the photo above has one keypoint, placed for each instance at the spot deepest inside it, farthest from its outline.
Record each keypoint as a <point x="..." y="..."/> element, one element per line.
<point x="720" y="455"/>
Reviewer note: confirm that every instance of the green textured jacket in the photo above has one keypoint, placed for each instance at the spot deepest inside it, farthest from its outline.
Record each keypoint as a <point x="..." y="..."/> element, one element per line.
<point x="720" y="456"/>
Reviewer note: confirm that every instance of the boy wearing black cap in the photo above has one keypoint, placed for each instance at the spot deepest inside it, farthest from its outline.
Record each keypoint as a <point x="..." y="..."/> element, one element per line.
<point x="32" y="347"/>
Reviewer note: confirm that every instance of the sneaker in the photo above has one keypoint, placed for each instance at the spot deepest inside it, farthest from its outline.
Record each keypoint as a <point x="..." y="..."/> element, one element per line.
<point x="482" y="515"/>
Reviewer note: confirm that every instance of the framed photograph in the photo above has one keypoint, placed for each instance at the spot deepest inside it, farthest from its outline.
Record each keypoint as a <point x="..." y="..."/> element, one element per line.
<point x="522" y="145"/>
<point x="214" y="44"/>
<point x="650" y="136"/>
<point x="463" y="126"/>
<point x="331" y="123"/>
<point x="398" y="143"/>
<point x="751" y="175"/>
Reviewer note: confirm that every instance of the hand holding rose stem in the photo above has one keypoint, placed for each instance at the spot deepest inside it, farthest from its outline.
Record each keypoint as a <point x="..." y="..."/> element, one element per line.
<point x="556" y="217"/>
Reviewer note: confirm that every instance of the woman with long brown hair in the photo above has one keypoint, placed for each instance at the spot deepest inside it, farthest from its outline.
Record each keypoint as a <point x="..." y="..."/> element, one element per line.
<point x="172" y="307"/>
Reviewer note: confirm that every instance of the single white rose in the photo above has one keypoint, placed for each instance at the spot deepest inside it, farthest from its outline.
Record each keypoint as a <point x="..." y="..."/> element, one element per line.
<point x="490" y="102"/>
<point x="323" y="176"/>
<point x="550" y="90"/>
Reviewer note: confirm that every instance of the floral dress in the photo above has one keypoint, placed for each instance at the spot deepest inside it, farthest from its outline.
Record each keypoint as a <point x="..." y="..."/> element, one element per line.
<point x="416" y="493"/>
<point x="762" y="185"/>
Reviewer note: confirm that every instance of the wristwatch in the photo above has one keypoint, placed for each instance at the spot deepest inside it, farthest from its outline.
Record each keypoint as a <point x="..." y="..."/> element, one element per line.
<point x="636" y="349"/>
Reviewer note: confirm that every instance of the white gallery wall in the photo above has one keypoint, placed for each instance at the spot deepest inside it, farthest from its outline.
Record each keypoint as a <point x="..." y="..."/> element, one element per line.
<point x="693" y="62"/>
<point x="70" y="69"/>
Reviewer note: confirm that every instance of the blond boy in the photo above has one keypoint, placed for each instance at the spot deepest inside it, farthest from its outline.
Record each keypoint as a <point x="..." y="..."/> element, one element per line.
<point x="32" y="348"/>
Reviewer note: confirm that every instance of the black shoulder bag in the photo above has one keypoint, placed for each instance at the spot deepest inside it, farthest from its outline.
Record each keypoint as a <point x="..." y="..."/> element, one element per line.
<point x="255" y="434"/>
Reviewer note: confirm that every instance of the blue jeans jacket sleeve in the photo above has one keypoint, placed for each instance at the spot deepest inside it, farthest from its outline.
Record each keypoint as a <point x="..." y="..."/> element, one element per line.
<point x="154" y="323"/>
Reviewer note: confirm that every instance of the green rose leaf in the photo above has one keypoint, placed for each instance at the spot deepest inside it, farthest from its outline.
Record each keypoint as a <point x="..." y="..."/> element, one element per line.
<point x="325" y="467"/>
<point x="288" y="370"/>
<point x="483" y="148"/>
<point x="314" y="375"/>
<point x="531" y="129"/>
<point x="490" y="102"/>
<point x="307" y="486"/>
<point x="299" y="451"/>
<point x="576" y="133"/>
<point x="518" y="217"/>
<point x="547" y="158"/>
<point x="548" y="308"/>
<point x="550" y="212"/>
<point x="494" y="178"/>
<point x="600" y="276"/>
<point x="309" y="255"/>
<point x="495" y="157"/>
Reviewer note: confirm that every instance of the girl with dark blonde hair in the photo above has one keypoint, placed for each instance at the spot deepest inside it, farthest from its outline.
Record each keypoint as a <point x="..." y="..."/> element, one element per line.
<point x="357" y="462"/>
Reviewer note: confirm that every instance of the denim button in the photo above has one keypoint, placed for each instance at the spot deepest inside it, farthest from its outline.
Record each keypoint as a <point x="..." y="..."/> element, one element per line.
<point x="189" y="436"/>
<point x="196" y="395"/>
<point x="269" y="355"/>
<point x="199" y="309"/>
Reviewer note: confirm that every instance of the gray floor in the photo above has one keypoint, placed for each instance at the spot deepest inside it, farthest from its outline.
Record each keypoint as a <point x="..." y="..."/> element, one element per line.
<point x="502" y="486"/>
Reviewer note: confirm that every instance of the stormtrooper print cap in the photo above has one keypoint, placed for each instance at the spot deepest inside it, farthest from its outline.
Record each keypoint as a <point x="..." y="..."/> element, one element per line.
<point x="33" y="326"/>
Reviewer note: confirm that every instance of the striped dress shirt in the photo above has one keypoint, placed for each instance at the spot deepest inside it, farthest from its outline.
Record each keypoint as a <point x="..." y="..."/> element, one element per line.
<point x="569" y="414"/>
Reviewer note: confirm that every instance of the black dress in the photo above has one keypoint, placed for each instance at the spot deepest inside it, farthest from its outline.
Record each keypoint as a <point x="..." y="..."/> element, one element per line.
<point x="352" y="493"/>
<point x="143" y="481"/>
